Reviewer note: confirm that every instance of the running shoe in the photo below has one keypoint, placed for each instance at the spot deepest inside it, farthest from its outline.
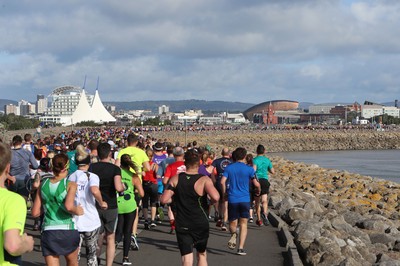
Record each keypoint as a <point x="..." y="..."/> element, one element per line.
<point x="126" y="261"/>
<point x="160" y="211"/>
<point x="232" y="241"/>
<point x="146" y="225"/>
<point x="153" y="224"/>
<point x="265" y="219"/>
<point x="251" y="220"/>
<point x="216" y="216"/>
<point x="172" y="223"/>
<point x="241" y="252"/>
<point x="223" y="227"/>
<point x="219" y="223"/>
<point x="259" y="222"/>
<point x="134" y="243"/>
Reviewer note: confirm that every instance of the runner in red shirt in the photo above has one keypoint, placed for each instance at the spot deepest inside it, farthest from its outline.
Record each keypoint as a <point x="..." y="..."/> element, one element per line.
<point x="173" y="169"/>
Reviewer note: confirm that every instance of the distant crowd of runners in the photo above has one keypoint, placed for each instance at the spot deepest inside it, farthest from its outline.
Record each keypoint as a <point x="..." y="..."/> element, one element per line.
<point x="92" y="186"/>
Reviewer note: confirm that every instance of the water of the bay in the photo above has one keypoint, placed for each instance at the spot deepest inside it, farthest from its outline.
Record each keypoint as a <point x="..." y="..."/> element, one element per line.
<point x="383" y="164"/>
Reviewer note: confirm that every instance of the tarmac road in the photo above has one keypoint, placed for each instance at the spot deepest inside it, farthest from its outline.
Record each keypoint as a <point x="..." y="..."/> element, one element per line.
<point x="158" y="247"/>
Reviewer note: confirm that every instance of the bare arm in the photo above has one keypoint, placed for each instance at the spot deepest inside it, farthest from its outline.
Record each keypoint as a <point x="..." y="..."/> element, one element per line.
<point x="118" y="162"/>
<point x="17" y="244"/>
<point x="138" y="185"/>
<point x="211" y="190"/>
<point x="272" y="170"/>
<point x="70" y="200"/>
<point x="256" y="185"/>
<point x="146" y="166"/>
<point x="118" y="183"/>
<point x="223" y="185"/>
<point x="169" y="191"/>
<point x="37" y="204"/>
<point x="97" y="195"/>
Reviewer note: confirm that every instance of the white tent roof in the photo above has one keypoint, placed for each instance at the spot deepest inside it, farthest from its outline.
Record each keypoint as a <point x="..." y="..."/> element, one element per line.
<point x="83" y="111"/>
<point x="99" y="111"/>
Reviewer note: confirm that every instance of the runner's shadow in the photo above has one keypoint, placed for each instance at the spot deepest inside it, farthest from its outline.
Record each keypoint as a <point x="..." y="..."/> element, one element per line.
<point x="160" y="244"/>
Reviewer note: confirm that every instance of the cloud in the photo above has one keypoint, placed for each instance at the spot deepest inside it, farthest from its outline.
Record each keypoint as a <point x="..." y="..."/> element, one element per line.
<point x="247" y="51"/>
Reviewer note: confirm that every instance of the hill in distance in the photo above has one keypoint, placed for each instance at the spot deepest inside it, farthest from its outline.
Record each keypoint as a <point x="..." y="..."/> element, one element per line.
<point x="5" y="102"/>
<point x="182" y="105"/>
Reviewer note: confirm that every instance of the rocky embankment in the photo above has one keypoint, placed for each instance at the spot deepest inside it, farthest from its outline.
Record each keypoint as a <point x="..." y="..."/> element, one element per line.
<point x="337" y="218"/>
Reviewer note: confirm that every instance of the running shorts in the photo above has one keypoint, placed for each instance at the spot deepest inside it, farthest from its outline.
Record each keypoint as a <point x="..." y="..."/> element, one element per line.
<point x="238" y="210"/>
<point x="59" y="242"/>
<point x="264" y="183"/>
<point x="189" y="239"/>
<point x="109" y="219"/>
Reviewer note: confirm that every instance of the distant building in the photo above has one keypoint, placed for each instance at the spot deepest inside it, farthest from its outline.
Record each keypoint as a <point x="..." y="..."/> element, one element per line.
<point x="163" y="109"/>
<point x="235" y="118"/>
<point x="24" y="108"/>
<point x="273" y="112"/>
<point x="324" y="108"/>
<point x="369" y="111"/>
<point x="41" y="104"/>
<point x="10" y="109"/>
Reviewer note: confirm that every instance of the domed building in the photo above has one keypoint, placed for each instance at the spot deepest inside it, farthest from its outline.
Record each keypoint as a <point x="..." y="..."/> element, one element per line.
<point x="269" y="112"/>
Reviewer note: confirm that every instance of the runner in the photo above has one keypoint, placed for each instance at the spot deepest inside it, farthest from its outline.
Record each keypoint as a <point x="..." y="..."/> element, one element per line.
<point x="110" y="184"/>
<point x="150" y="187"/>
<point x="59" y="235"/>
<point x="127" y="207"/>
<point x="172" y="169"/>
<point x="21" y="162"/>
<point x="189" y="191"/>
<point x="88" y="193"/>
<point x="12" y="217"/>
<point x="263" y="166"/>
<point x="237" y="177"/>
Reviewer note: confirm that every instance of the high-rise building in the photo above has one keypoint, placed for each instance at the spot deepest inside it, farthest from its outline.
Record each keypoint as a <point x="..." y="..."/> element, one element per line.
<point x="163" y="109"/>
<point x="10" y="109"/>
<point x="41" y="104"/>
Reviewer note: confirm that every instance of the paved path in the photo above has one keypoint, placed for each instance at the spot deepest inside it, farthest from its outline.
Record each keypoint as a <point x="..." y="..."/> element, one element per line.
<point x="158" y="247"/>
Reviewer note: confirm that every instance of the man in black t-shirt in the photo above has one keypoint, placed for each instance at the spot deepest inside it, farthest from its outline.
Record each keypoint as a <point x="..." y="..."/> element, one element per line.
<point x="110" y="184"/>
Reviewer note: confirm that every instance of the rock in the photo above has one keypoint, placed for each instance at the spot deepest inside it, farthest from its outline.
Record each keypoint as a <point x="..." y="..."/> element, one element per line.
<point x="296" y="213"/>
<point x="396" y="246"/>
<point x="352" y="262"/>
<point x="284" y="205"/>
<point x="352" y="217"/>
<point x="352" y="252"/>
<point x="383" y="238"/>
<point x="375" y="225"/>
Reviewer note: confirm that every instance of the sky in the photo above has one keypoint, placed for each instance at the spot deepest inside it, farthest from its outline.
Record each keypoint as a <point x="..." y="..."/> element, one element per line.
<point x="249" y="51"/>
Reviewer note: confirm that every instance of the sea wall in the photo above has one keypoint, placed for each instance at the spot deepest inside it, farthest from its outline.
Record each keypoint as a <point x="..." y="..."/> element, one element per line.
<point x="337" y="218"/>
<point x="287" y="141"/>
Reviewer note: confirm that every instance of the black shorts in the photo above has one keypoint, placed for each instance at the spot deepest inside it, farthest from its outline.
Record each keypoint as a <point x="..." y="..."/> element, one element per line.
<point x="189" y="239"/>
<point x="264" y="183"/>
<point x="109" y="219"/>
<point x="150" y="193"/>
<point x="59" y="242"/>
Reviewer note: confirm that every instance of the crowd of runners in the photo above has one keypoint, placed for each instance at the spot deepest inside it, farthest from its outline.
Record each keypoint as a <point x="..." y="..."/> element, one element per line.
<point x="92" y="186"/>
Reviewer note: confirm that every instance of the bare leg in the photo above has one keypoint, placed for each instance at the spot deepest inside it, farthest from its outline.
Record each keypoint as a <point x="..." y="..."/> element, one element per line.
<point x="110" y="254"/>
<point x="72" y="258"/>
<point x="52" y="260"/>
<point x="187" y="260"/>
<point x="153" y="213"/>
<point x="243" y="232"/>
<point x="202" y="258"/>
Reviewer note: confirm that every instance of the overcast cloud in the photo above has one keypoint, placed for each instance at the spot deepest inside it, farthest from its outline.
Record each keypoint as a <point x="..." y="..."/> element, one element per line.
<point x="248" y="51"/>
